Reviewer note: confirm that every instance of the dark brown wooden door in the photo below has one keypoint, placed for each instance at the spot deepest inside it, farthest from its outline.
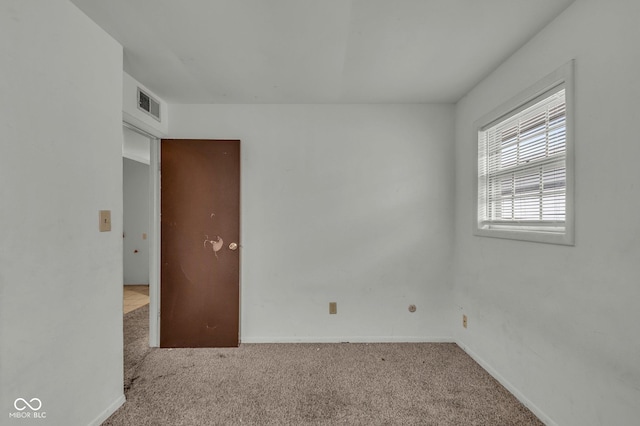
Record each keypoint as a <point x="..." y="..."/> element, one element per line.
<point x="200" y="239"/>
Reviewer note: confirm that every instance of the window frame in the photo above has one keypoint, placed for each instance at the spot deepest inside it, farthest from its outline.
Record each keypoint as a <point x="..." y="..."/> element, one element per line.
<point x="560" y="78"/>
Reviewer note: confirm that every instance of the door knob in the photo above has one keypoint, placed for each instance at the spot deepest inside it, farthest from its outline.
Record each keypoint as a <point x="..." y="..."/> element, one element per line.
<point x="233" y="246"/>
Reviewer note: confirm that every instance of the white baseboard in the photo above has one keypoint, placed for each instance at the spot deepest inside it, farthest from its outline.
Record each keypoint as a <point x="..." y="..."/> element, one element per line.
<point x="112" y="408"/>
<point x="504" y="382"/>
<point x="351" y="339"/>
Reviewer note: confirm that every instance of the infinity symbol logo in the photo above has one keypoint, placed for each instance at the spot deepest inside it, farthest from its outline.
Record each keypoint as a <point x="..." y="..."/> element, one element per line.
<point x="26" y="404"/>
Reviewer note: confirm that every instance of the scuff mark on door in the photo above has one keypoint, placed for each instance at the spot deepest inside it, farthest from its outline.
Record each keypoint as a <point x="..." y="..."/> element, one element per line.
<point x="216" y="245"/>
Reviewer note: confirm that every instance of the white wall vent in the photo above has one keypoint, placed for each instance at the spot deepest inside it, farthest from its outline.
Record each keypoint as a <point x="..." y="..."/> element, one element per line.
<point x="142" y="108"/>
<point x="148" y="104"/>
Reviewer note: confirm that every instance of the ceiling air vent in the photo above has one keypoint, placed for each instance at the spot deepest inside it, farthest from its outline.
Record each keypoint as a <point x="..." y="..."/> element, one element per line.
<point x="149" y="105"/>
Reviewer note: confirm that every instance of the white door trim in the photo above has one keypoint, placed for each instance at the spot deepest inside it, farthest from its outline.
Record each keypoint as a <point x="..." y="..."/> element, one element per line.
<point x="154" y="245"/>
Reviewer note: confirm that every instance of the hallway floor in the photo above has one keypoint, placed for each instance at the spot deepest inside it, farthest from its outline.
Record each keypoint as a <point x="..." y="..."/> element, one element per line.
<point x="135" y="296"/>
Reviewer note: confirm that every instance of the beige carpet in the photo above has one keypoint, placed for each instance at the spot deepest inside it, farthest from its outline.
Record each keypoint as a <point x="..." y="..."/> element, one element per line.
<point x="312" y="384"/>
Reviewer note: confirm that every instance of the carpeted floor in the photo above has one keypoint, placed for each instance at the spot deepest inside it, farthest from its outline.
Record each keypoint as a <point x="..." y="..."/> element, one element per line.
<point x="309" y="384"/>
<point x="136" y="342"/>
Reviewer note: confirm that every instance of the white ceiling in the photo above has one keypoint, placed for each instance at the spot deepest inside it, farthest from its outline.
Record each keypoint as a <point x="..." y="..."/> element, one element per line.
<point x="317" y="51"/>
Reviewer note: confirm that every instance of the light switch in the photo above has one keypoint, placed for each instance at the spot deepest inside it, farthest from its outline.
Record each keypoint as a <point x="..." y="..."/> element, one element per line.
<point x="105" y="220"/>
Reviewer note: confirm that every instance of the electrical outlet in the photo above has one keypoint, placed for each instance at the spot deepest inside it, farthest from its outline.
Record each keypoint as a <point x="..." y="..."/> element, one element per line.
<point x="464" y="321"/>
<point x="333" y="308"/>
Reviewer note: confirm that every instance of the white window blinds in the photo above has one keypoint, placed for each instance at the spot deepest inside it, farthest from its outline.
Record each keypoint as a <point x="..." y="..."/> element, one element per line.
<point x="522" y="167"/>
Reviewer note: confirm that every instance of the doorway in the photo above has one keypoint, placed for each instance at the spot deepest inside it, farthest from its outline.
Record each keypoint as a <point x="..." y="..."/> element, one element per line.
<point x="140" y="241"/>
<point x="135" y="183"/>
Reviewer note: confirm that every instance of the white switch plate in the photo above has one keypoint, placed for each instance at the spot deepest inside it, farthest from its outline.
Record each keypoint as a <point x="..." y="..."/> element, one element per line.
<point x="105" y="220"/>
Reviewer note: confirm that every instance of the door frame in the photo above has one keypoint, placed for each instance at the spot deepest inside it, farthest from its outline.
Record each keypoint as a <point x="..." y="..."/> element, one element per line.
<point x="155" y="237"/>
<point x="154" y="243"/>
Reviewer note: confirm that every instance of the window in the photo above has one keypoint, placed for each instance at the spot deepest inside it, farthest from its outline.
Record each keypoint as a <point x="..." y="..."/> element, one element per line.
<point x="524" y="171"/>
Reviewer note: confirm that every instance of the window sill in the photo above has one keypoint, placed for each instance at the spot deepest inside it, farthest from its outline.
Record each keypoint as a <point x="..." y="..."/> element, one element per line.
<point x="535" y="236"/>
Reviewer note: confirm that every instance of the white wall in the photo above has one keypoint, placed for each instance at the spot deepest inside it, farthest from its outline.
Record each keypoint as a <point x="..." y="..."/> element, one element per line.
<point x="135" y="146"/>
<point x="559" y="323"/>
<point x="136" y="222"/>
<point x="60" y="163"/>
<point x="351" y="204"/>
